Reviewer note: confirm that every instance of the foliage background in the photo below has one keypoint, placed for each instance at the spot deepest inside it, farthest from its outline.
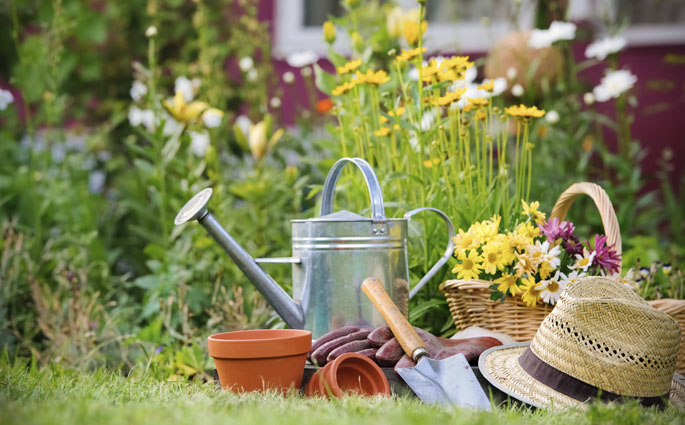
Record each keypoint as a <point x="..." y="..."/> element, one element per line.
<point x="92" y="271"/>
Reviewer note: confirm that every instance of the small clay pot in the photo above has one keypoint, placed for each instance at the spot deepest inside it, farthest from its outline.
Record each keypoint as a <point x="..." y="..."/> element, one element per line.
<point x="260" y="359"/>
<point x="349" y="373"/>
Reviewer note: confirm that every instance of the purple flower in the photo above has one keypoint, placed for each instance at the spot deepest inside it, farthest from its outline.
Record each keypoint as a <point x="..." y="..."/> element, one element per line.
<point x="605" y="256"/>
<point x="554" y="230"/>
<point x="159" y="349"/>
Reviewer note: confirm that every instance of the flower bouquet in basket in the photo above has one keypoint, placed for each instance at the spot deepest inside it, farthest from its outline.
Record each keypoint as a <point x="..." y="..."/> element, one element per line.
<point x="508" y="279"/>
<point x="535" y="261"/>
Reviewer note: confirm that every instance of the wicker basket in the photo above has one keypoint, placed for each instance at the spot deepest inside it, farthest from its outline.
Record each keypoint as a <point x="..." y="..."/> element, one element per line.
<point x="470" y="303"/>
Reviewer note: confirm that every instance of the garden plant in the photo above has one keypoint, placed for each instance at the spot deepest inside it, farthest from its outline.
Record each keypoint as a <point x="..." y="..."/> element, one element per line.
<point x="114" y="114"/>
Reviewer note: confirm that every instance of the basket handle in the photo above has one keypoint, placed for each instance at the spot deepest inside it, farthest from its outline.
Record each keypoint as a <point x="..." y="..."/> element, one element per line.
<point x="603" y="204"/>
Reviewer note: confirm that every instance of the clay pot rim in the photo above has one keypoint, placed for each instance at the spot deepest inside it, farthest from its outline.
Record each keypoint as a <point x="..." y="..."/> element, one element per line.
<point x="280" y="343"/>
<point x="363" y="366"/>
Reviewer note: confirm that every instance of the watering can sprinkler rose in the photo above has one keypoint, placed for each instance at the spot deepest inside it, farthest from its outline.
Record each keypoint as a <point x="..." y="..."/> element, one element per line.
<point x="331" y="255"/>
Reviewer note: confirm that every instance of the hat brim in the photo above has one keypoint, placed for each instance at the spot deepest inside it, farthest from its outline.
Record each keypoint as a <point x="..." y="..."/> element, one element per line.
<point x="500" y="366"/>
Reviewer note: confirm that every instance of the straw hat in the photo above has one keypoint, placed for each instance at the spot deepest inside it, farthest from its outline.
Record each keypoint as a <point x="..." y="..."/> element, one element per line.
<point x="600" y="336"/>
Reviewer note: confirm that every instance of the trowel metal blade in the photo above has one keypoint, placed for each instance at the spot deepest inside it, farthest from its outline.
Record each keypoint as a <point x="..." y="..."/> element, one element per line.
<point x="447" y="381"/>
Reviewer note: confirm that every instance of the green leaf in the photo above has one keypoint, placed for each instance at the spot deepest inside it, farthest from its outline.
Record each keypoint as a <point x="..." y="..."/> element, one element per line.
<point x="323" y="80"/>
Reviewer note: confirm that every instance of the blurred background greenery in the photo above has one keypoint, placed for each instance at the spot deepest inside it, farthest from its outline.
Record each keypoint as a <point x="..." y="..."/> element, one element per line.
<point x="93" y="169"/>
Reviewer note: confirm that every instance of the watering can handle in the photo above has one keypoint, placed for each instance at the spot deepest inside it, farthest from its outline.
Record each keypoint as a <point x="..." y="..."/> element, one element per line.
<point x="448" y="252"/>
<point x="377" y="210"/>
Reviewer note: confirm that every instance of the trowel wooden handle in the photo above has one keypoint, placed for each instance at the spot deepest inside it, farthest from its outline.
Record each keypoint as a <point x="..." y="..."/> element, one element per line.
<point x="410" y="341"/>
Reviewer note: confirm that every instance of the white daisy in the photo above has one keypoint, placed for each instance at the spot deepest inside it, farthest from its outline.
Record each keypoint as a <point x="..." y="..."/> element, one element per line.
<point x="553" y="287"/>
<point x="584" y="261"/>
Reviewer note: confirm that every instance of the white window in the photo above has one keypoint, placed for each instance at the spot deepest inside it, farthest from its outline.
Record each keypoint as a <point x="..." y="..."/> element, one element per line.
<point x="458" y="26"/>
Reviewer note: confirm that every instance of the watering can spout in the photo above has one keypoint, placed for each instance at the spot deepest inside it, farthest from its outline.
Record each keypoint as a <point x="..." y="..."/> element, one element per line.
<point x="196" y="209"/>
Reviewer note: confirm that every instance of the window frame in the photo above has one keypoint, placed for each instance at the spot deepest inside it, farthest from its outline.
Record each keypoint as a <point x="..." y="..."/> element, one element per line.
<point x="465" y="36"/>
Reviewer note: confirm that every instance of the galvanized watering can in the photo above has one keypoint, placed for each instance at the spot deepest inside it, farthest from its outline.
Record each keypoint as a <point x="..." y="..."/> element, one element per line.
<point x="331" y="255"/>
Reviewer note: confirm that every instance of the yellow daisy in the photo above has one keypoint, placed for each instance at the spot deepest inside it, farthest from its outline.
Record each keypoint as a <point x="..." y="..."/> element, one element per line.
<point x="525" y="112"/>
<point x="532" y="210"/>
<point x="531" y="291"/>
<point x="349" y="66"/>
<point x="508" y="283"/>
<point x="492" y="257"/>
<point x="470" y="267"/>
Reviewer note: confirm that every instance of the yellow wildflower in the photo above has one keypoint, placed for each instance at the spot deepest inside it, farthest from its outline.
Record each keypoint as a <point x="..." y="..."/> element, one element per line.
<point x="469" y="268"/>
<point x="430" y="70"/>
<point x="546" y="269"/>
<point x="527" y="229"/>
<point x="508" y="283"/>
<point x="411" y="31"/>
<point x="410" y="54"/>
<point x="532" y="210"/>
<point x="492" y="257"/>
<point x="329" y="32"/>
<point x="349" y="66"/>
<point x="487" y="86"/>
<point x="383" y="119"/>
<point x="457" y="63"/>
<point x="523" y="111"/>
<point x="478" y="101"/>
<point x="481" y="115"/>
<point x="397" y="112"/>
<point x="531" y="292"/>
<point x="449" y="97"/>
<point x="343" y="88"/>
<point x="524" y="265"/>
<point x="465" y="240"/>
<point x="371" y="77"/>
<point x="383" y="131"/>
<point x="182" y="111"/>
<point x="448" y="75"/>
<point x="429" y="163"/>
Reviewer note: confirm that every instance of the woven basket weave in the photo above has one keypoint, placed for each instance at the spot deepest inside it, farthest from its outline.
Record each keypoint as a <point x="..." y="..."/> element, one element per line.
<point x="470" y="303"/>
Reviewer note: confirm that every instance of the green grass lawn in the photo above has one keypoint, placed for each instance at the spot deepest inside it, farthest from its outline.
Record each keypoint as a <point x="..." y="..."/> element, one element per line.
<point x="58" y="396"/>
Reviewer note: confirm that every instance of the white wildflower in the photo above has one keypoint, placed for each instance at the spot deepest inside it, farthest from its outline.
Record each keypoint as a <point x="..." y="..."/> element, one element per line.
<point x="306" y="71"/>
<point x="199" y="143"/>
<point x="600" y="49"/>
<point x="557" y="31"/>
<point x="252" y="75"/>
<point x="500" y="86"/>
<point x="614" y="84"/>
<point x="589" y="98"/>
<point x="246" y="63"/>
<point x="244" y="124"/>
<point x="144" y="117"/>
<point x="212" y="117"/>
<point x="517" y="90"/>
<point x="171" y="126"/>
<point x="552" y="116"/>
<point x="288" y="77"/>
<point x="584" y="261"/>
<point x="552" y="288"/>
<point x="511" y="73"/>
<point x="302" y="59"/>
<point x="151" y="31"/>
<point x="138" y="90"/>
<point x="185" y="86"/>
<point x="275" y="102"/>
<point x="427" y="120"/>
<point x="6" y="98"/>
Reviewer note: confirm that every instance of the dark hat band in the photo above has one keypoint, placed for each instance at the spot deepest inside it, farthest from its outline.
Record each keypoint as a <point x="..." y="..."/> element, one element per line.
<point x="573" y="387"/>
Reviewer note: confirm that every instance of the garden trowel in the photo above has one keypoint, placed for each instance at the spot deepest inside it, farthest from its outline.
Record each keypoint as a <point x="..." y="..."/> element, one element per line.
<point x="447" y="381"/>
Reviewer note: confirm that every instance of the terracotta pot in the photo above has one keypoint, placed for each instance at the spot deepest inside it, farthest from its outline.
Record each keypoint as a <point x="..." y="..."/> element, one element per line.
<point x="349" y="373"/>
<point x="260" y="359"/>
